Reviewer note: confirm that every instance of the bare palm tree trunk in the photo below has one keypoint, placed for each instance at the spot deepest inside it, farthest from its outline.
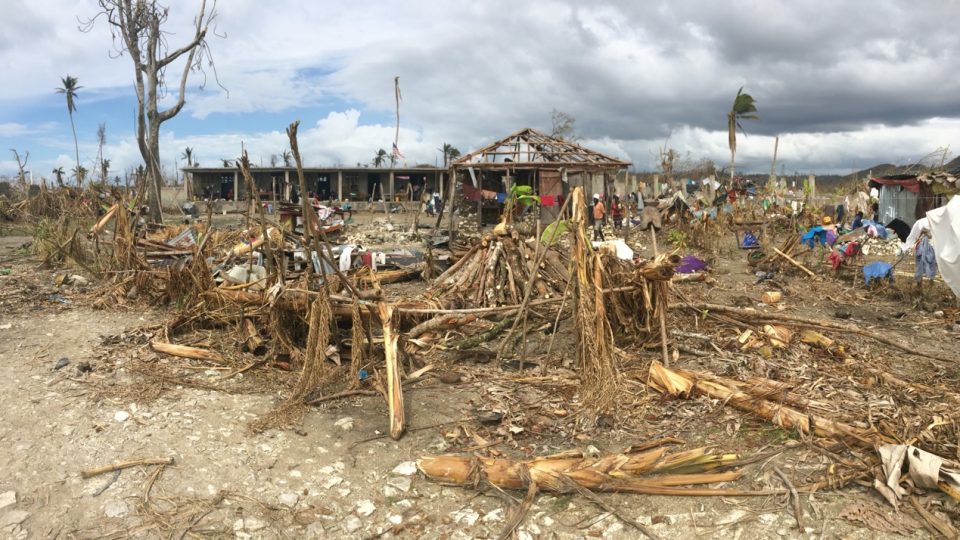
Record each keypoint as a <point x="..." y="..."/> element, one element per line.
<point x="76" y="147"/>
<point x="733" y="165"/>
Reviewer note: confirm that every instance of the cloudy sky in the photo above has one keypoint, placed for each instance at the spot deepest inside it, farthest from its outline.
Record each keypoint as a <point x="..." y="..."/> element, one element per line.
<point x="846" y="84"/>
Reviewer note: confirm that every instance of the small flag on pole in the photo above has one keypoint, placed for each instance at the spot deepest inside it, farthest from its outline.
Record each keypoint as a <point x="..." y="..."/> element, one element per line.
<point x="396" y="151"/>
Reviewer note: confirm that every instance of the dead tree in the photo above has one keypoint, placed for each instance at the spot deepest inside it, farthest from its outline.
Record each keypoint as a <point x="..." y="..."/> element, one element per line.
<point x="21" y="165"/>
<point x="137" y="30"/>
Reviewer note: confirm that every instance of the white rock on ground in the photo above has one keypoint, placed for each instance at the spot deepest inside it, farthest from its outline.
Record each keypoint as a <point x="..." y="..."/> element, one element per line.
<point x="14" y="517"/>
<point x="8" y="498"/>
<point x="352" y="523"/>
<point x="115" y="509"/>
<point x="345" y="423"/>
<point x="365" y="508"/>
<point x="400" y="482"/>
<point x="467" y="516"/>
<point x="289" y="499"/>
<point x="406" y="468"/>
<point x="330" y="481"/>
<point x="121" y="416"/>
<point x="493" y="516"/>
<point x="249" y="524"/>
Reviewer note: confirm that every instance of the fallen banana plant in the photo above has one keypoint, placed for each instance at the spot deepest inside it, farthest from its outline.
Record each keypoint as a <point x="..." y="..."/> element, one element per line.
<point x="646" y="469"/>
<point x="685" y="383"/>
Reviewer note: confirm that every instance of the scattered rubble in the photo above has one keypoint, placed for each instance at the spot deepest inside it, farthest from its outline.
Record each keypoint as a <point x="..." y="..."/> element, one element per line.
<point x="504" y="360"/>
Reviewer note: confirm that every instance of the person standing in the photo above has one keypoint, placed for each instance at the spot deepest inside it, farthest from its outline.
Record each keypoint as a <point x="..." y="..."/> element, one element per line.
<point x="616" y="212"/>
<point x="920" y="241"/>
<point x="599" y="213"/>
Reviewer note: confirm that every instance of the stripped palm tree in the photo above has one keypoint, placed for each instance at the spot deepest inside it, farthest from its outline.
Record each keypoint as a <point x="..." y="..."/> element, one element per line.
<point x="58" y="172"/>
<point x="744" y="108"/>
<point x="80" y="172"/>
<point x="449" y="152"/>
<point x="287" y="158"/>
<point x="69" y="89"/>
<point x="104" y="169"/>
<point x="187" y="156"/>
<point x="380" y="158"/>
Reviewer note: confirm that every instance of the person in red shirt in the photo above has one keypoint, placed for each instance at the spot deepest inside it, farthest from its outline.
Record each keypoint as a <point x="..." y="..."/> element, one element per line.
<point x="616" y="212"/>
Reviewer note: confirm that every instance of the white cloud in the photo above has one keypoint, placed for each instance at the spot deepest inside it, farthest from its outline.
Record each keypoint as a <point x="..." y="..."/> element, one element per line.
<point x="841" y="89"/>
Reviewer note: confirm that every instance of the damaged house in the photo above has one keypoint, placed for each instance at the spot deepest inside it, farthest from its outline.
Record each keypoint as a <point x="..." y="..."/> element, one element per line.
<point x="552" y="167"/>
<point x="908" y="197"/>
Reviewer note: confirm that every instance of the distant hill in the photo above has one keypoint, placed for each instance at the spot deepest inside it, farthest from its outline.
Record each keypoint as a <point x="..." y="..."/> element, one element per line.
<point x="952" y="165"/>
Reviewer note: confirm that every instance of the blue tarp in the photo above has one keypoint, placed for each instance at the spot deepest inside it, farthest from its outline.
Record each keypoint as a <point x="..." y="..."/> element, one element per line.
<point x="877" y="270"/>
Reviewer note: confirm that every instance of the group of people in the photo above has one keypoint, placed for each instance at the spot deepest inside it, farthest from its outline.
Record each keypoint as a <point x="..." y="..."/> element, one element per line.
<point x="599" y="212"/>
<point x="919" y="241"/>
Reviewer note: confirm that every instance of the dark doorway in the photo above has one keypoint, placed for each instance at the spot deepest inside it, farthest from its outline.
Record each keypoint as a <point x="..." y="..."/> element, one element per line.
<point x="226" y="186"/>
<point x="374" y="188"/>
<point x="323" y="186"/>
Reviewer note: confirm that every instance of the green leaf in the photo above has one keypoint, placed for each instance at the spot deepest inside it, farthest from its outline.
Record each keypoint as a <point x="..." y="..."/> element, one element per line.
<point x="521" y="190"/>
<point x="554" y="232"/>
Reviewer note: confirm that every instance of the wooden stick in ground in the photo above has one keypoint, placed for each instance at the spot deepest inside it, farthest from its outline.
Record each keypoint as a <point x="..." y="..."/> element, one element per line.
<point x="519" y="513"/>
<point x="251" y="337"/>
<point x="184" y="351"/>
<point x="90" y="473"/>
<point x="308" y="216"/>
<point x="538" y="259"/>
<point x="394" y="389"/>
<point x="592" y="497"/>
<point x="793" y="261"/>
<point x="663" y="312"/>
<point x="305" y="206"/>
<point x="255" y="198"/>
<point x="797" y="511"/>
<point x="556" y="322"/>
<point x="663" y="334"/>
<point x="95" y="230"/>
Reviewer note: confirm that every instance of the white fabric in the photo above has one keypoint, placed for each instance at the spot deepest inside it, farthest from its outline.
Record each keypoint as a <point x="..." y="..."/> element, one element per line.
<point x="922" y="224"/>
<point x="620" y="247"/>
<point x="345" y="258"/>
<point x="945" y="226"/>
<point x="323" y="212"/>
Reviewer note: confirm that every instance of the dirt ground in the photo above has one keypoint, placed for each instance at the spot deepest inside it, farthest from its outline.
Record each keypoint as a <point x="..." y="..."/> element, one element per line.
<point x="340" y="476"/>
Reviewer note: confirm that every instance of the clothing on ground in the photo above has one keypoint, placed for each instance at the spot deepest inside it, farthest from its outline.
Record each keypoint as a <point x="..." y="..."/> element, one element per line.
<point x="877" y="270"/>
<point x="926" y="259"/>
<point x="690" y="264"/>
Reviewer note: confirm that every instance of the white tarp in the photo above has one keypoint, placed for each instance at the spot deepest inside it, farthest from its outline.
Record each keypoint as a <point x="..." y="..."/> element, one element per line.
<point x="945" y="226"/>
<point x="619" y="247"/>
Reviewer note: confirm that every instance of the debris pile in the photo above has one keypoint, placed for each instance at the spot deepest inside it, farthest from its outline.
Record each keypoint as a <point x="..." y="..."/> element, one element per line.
<point x="496" y="269"/>
<point x="282" y="295"/>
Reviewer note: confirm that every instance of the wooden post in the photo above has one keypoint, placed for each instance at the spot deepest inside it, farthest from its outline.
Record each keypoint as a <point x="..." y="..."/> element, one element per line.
<point x="450" y="202"/>
<point x="663" y="311"/>
<point x="480" y="202"/>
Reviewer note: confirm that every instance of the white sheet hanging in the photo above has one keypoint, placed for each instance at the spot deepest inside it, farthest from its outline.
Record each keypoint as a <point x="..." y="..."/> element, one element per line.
<point x="945" y="226"/>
